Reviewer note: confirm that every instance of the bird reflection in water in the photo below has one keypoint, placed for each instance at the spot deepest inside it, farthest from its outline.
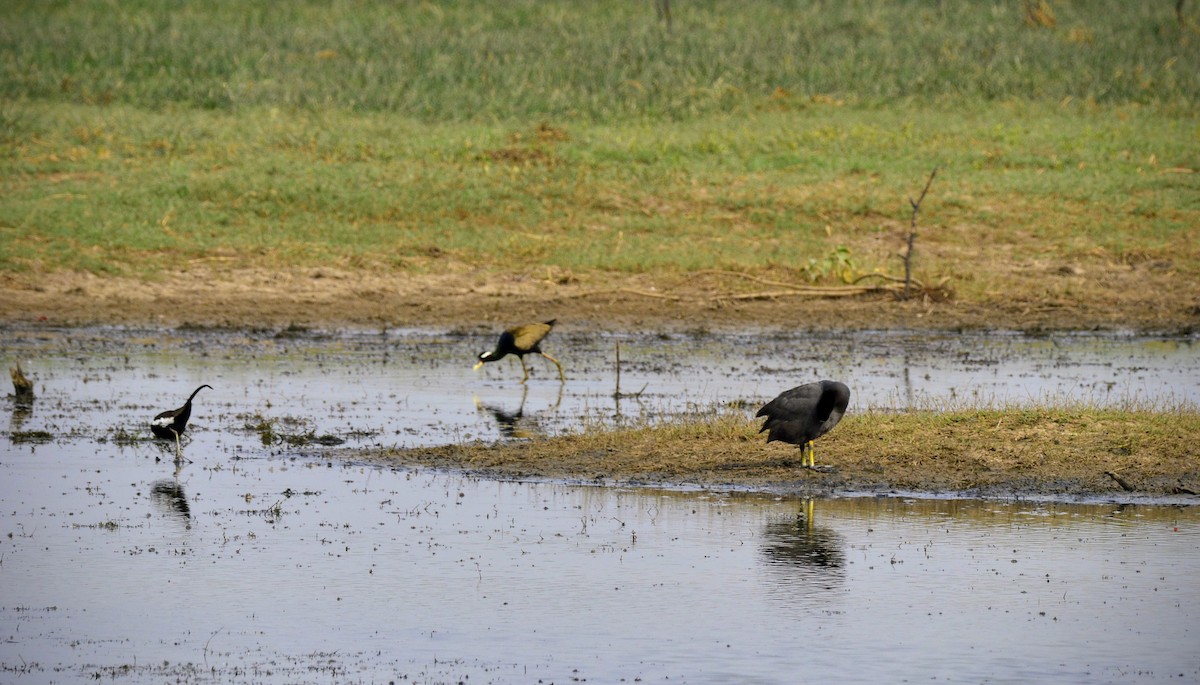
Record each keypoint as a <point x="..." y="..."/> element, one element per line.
<point x="21" y="412"/>
<point x="169" y="495"/>
<point x="22" y="397"/>
<point x="800" y="544"/>
<point x="513" y="423"/>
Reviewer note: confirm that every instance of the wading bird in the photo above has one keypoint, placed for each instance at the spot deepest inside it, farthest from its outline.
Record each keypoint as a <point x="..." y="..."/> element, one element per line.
<point x="522" y="340"/>
<point x="170" y="424"/>
<point x="805" y="413"/>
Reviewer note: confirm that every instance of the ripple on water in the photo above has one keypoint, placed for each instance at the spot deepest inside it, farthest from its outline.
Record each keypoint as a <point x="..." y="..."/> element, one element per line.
<point x="266" y="563"/>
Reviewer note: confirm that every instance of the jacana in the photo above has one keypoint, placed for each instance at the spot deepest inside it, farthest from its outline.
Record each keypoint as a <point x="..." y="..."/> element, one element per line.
<point x="170" y="424"/>
<point x="522" y="340"/>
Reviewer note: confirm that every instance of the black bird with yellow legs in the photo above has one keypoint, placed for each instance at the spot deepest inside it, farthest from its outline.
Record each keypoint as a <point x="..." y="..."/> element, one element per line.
<point x="520" y="341"/>
<point x="803" y="414"/>
<point x="170" y="424"/>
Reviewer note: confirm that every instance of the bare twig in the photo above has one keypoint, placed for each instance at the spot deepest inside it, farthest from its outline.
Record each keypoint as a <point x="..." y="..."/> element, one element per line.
<point x="885" y="277"/>
<point x="210" y="639"/>
<point x="912" y="232"/>
<point x="793" y="291"/>
<point x="664" y="11"/>
<point x="1120" y="481"/>
<point x="617" y="393"/>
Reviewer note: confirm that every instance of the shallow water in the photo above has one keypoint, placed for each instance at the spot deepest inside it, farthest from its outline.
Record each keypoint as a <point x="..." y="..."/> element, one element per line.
<point x="290" y="570"/>
<point x="410" y="388"/>
<point x="264" y="562"/>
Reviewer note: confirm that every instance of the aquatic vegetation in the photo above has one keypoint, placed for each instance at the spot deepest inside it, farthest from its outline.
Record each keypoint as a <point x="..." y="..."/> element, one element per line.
<point x="290" y="431"/>
<point x="35" y="437"/>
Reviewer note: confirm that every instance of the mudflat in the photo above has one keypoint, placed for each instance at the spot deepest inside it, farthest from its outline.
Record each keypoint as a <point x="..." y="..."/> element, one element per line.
<point x="1045" y="451"/>
<point x="1122" y="298"/>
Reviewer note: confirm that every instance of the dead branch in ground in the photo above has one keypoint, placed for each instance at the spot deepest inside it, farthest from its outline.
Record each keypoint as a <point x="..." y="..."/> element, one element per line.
<point x="912" y="232"/>
<point x="799" y="288"/>
<point x="617" y="394"/>
<point x="792" y="291"/>
<point x="1120" y="481"/>
<point x="664" y="12"/>
<point x="894" y="285"/>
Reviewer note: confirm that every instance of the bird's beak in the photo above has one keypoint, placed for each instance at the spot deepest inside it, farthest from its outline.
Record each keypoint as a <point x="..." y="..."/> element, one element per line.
<point x="477" y="365"/>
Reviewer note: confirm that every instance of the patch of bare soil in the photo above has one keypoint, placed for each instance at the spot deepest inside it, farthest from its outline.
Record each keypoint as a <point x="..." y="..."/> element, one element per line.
<point x="463" y="296"/>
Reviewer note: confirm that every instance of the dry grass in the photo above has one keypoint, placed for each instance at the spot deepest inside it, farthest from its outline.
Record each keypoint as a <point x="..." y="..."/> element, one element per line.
<point x="991" y="451"/>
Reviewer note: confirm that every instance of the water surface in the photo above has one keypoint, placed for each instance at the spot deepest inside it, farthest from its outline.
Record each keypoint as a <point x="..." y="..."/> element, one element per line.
<point x="262" y="560"/>
<point x="409" y="388"/>
<point x="287" y="570"/>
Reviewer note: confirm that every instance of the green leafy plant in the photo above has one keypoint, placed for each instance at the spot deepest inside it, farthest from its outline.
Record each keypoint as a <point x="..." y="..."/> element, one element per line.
<point x="838" y="263"/>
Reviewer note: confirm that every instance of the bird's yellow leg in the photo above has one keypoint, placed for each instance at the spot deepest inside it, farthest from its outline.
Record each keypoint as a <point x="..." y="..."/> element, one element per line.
<point x="811" y="453"/>
<point x="561" y="377"/>
<point x="524" y="369"/>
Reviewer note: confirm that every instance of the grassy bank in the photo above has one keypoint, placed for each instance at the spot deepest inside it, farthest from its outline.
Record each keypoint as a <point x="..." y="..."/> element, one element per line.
<point x="579" y="142"/>
<point x="1049" y="451"/>
<point x="820" y="193"/>
<point x="596" y="61"/>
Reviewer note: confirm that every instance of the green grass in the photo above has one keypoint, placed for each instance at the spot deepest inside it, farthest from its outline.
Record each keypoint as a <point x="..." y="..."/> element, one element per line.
<point x="139" y="136"/>
<point x="119" y="189"/>
<point x="596" y="60"/>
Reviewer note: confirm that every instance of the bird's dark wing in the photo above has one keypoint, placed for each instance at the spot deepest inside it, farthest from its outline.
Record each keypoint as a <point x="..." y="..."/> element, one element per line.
<point x="527" y="337"/>
<point x="790" y="416"/>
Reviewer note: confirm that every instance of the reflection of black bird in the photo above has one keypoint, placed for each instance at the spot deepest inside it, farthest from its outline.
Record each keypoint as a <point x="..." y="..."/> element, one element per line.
<point x="802" y="544"/>
<point x="522" y="340"/>
<point x="804" y="414"/>
<point x="170" y="494"/>
<point x="170" y="424"/>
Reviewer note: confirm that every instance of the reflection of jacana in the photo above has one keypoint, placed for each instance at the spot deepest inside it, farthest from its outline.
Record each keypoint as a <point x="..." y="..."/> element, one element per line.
<point x="522" y="340"/>
<point x="805" y="413"/>
<point x="169" y="493"/>
<point x="507" y="420"/>
<point x="170" y="424"/>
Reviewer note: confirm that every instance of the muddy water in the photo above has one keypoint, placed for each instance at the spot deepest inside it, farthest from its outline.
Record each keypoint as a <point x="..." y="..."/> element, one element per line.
<point x="412" y="388"/>
<point x="262" y="562"/>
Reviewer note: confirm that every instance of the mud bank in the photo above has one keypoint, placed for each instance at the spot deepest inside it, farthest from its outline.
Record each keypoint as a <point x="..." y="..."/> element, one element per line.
<point x="459" y="295"/>
<point x="1055" y="454"/>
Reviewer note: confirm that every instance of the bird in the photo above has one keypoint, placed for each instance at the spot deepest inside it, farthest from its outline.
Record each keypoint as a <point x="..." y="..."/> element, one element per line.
<point x="803" y="414"/>
<point x="522" y="340"/>
<point x="170" y="424"/>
